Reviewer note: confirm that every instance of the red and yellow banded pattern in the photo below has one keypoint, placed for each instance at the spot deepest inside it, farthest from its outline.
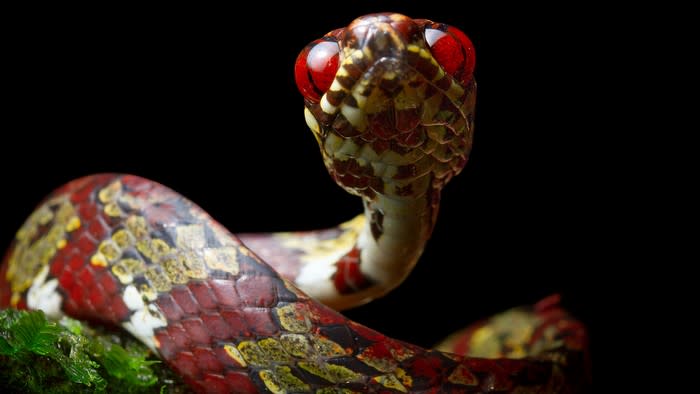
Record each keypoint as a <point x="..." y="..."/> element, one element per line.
<point x="123" y="250"/>
<point x="390" y="101"/>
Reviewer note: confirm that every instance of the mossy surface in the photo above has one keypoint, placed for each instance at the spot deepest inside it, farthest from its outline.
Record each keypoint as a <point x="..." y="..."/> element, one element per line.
<point x="68" y="356"/>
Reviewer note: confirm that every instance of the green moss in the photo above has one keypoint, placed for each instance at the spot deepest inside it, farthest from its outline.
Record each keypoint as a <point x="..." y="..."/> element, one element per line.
<point x="40" y="355"/>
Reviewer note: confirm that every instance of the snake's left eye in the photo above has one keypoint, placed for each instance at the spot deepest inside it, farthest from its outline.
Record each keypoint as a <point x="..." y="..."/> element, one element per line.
<point x="453" y="50"/>
<point x="315" y="68"/>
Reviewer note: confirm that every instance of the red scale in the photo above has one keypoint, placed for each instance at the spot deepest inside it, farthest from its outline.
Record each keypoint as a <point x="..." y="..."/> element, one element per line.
<point x="57" y="264"/>
<point x="71" y="308"/>
<point x="239" y="382"/>
<point x="116" y="310"/>
<point x="322" y="315"/>
<point x="215" y="384"/>
<point x="84" y="243"/>
<point x="184" y="299"/>
<point x="87" y="212"/>
<point x="255" y="291"/>
<point x="109" y="283"/>
<point x="260" y="322"/>
<point x="235" y="322"/>
<point x="97" y="230"/>
<point x="170" y="309"/>
<point x="178" y="335"/>
<point x="97" y="296"/>
<point x="85" y="276"/>
<point x="76" y="294"/>
<point x="225" y="293"/>
<point x="186" y="364"/>
<point x="64" y="274"/>
<point x="216" y="325"/>
<point x="165" y="343"/>
<point x="207" y="360"/>
<point x="196" y="330"/>
<point x="203" y="295"/>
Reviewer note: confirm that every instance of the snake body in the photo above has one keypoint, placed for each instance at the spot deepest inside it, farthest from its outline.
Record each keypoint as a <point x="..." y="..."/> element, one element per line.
<point x="393" y="126"/>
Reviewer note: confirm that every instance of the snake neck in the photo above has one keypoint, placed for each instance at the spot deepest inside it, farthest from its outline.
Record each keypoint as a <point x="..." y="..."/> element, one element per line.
<point x="392" y="239"/>
<point x="359" y="260"/>
<point x="389" y="238"/>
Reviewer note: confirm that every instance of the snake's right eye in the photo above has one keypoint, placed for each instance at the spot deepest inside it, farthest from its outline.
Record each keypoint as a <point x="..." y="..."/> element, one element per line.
<point x="315" y="68"/>
<point x="453" y="50"/>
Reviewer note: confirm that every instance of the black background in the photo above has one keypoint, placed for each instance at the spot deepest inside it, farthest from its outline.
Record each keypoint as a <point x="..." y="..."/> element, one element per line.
<point x="204" y="101"/>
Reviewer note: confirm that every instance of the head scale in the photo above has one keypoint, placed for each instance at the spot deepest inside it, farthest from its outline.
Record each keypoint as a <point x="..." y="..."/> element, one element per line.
<point x="396" y="118"/>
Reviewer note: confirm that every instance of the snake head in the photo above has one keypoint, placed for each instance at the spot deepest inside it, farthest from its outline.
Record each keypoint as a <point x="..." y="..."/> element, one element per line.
<point x="390" y="101"/>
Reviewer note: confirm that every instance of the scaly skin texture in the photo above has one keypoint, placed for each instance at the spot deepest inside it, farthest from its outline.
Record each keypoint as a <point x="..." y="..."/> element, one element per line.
<point x="393" y="128"/>
<point x="123" y="250"/>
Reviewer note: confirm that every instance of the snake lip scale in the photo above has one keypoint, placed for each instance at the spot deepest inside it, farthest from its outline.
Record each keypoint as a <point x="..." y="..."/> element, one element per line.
<point x="390" y="101"/>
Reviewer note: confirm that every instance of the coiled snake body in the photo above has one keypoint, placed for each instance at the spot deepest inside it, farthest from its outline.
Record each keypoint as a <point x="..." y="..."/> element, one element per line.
<point x="390" y="102"/>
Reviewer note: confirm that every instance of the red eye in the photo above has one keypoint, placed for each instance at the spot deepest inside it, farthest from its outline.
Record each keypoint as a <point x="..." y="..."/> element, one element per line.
<point x="315" y="68"/>
<point x="453" y="50"/>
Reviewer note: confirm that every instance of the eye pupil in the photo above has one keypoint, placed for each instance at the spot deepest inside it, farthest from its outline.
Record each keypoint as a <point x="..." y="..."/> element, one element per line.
<point x="315" y="68"/>
<point x="453" y="50"/>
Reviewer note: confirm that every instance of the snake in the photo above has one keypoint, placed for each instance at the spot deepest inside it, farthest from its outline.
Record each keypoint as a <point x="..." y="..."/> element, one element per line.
<point x="390" y="101"/>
